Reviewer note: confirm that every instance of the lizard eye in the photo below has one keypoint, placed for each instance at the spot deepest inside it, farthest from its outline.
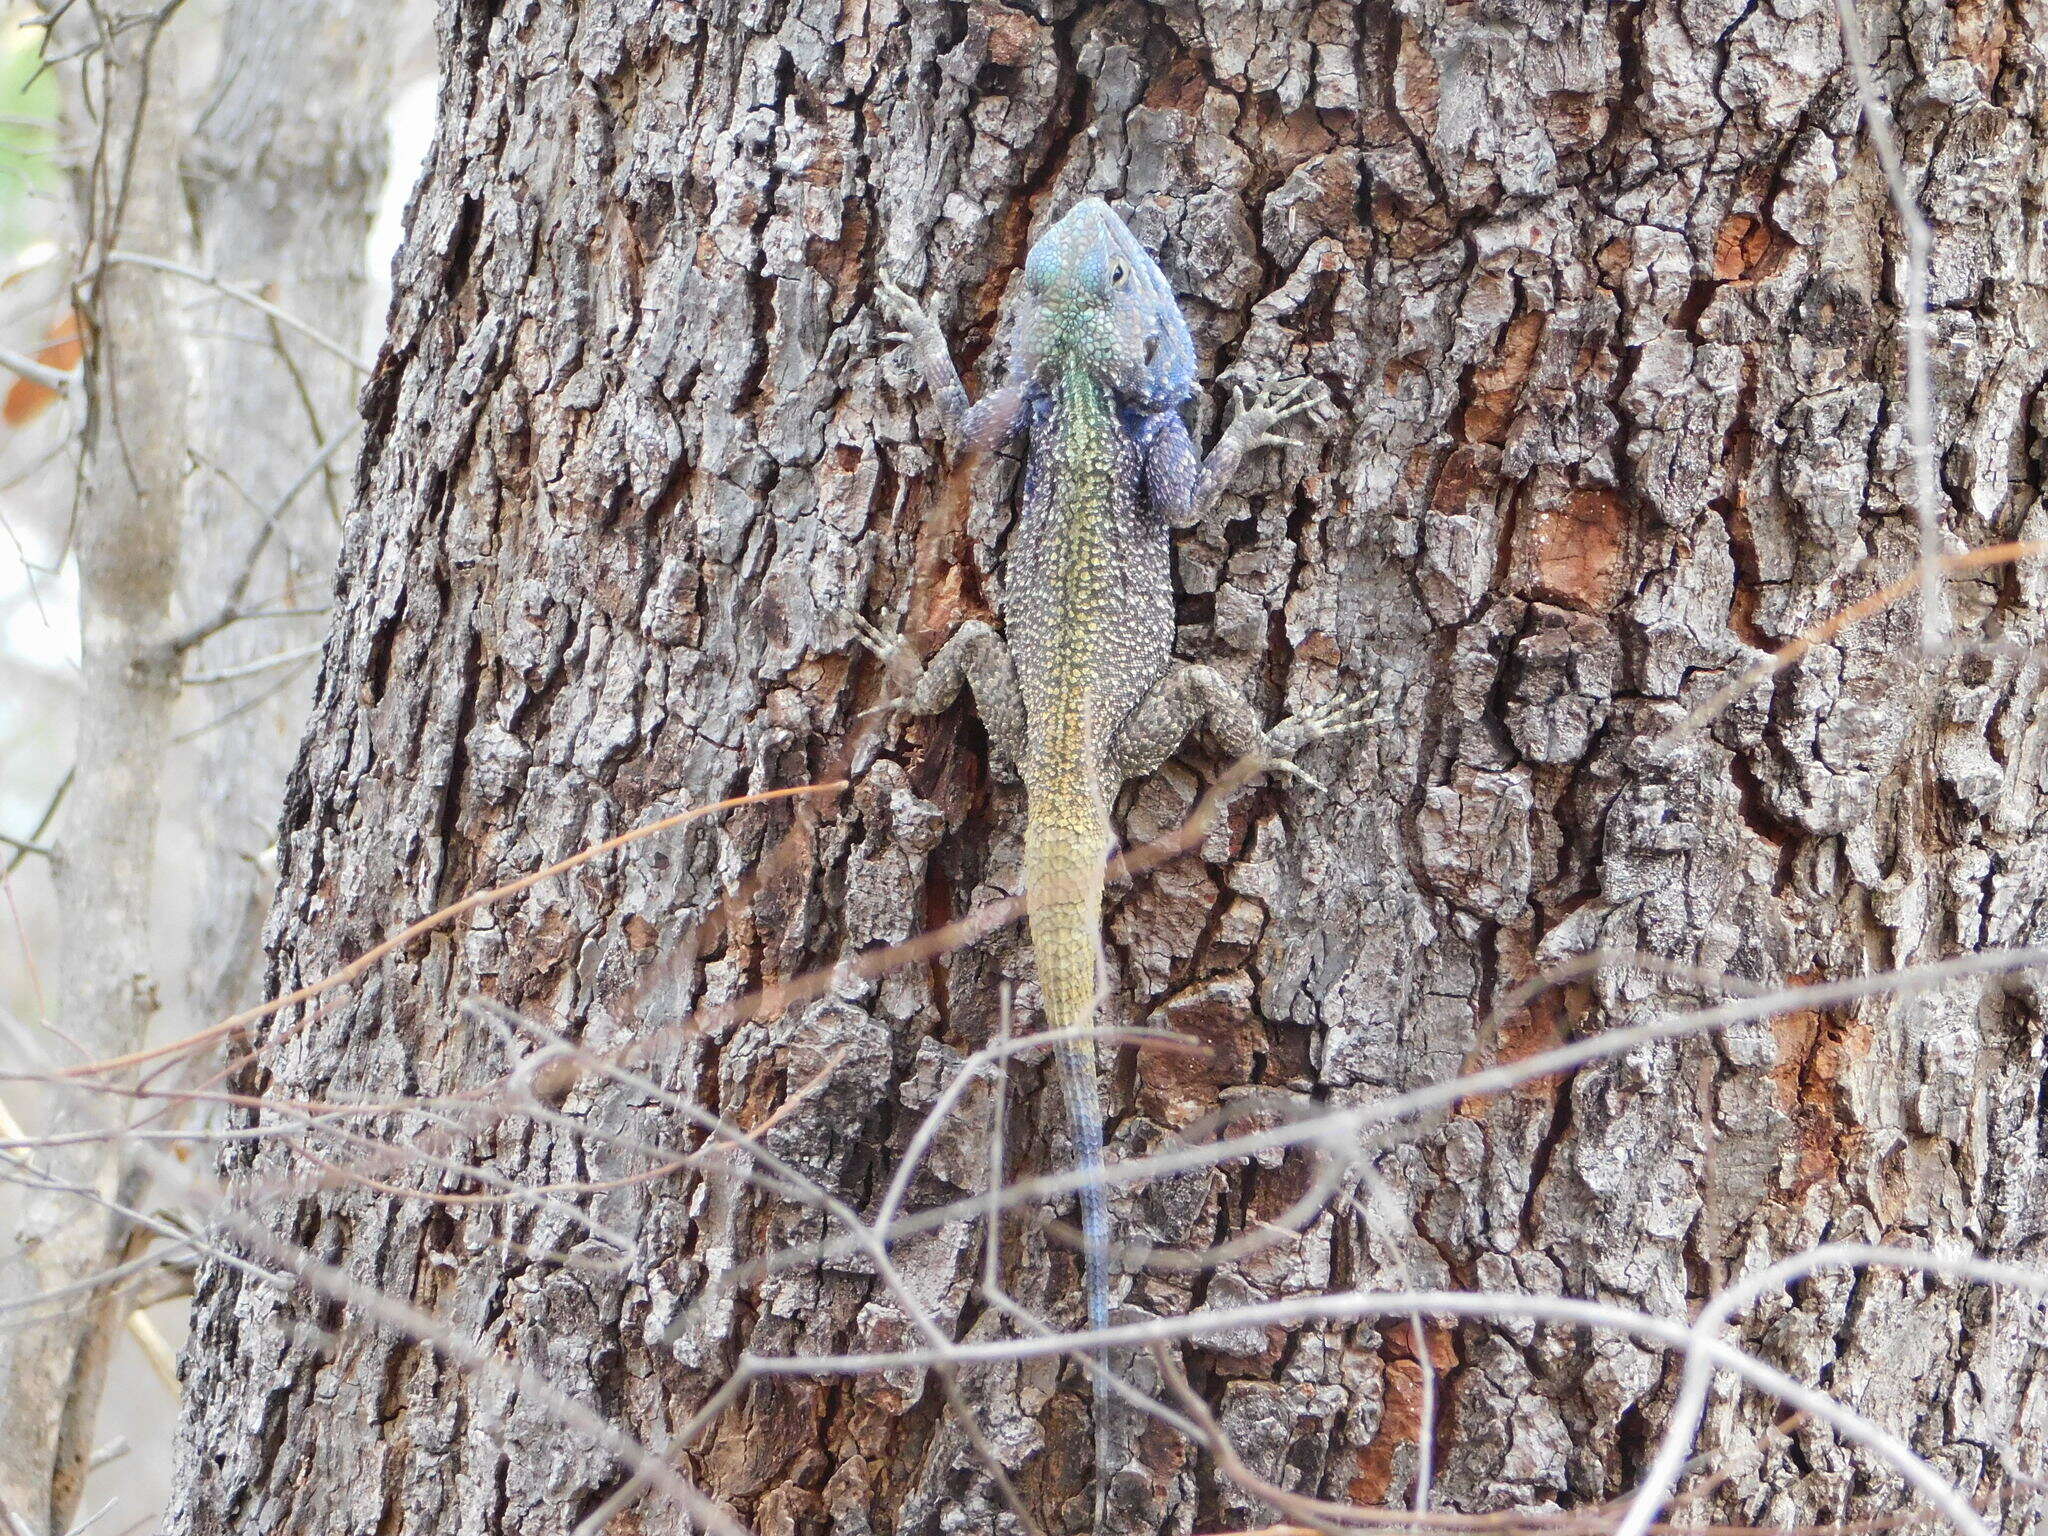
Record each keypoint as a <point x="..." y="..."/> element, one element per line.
<point x="1119" y="275"/>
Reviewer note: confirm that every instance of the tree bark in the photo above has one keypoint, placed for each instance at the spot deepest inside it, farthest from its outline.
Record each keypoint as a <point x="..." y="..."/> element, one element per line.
<point x="1609" y="300"/>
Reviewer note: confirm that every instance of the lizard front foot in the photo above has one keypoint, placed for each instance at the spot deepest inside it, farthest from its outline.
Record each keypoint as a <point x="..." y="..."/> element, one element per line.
<point x="914" y="328"/>
<point x="1260" y="411"/>
<point x="897" y="657"/>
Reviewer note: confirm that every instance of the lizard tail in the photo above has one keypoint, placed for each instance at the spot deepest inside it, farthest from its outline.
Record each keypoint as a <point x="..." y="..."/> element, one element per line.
<point x="1064" y="843"/>
<point x="1084" y="1111"/>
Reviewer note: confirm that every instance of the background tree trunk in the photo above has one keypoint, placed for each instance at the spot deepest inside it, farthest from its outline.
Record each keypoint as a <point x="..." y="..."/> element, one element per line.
<point x="120" y="108"/>
<point x="274" y="195"/>
<point x="1608" y="298"/>
<point x="286" y="174"/>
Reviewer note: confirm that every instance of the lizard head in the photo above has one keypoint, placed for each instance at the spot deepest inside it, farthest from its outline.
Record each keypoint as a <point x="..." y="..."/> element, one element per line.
<point x="1095" y="296"/>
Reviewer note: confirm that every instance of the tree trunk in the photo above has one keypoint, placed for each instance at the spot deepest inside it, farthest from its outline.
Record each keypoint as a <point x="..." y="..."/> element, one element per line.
<point x="285" y="176"/>
<point x="1609" y="300"/>
<point x="120" y="103"/>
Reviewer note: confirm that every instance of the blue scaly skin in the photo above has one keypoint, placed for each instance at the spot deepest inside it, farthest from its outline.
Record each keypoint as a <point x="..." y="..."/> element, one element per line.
<point x="1085" y="693"/>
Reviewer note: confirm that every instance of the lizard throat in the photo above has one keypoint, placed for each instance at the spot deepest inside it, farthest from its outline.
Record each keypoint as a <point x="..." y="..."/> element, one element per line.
<point x="1088" y="430"/>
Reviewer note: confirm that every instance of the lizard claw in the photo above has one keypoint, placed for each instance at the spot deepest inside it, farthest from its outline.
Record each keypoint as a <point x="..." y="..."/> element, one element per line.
<point x="1260" y="410"/>
<point x="902" y="311"/>
<point x="873" y="636"/>
<point x="1318" y="722"/>
<point x="1302" y="398"/>
<point x="1293" y="770"/>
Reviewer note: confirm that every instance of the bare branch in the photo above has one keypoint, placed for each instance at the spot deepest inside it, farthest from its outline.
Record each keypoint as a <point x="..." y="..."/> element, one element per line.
<point x="1791" y="654"/>
<point x="1672" y="1450"/>
<point x="22" y="366"/>
<point x="241" y="295"/>
<point x="253" y="668"/>
<point x="1852" y="1426"/>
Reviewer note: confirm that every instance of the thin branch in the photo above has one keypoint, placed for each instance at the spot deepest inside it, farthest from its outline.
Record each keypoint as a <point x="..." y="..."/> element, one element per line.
<point x="998" y="1151"/>
<point x="284" y="317"/>
<point x="994" y="1054"/>
<point x="255" y="701"/>
<point x="256" y="667"/>
<point x="424" y="1329"/>
<point x="297" y="1266"/>
<point x="1794" y="652"/>
<point x="438" y="919"/>
<point x="14" y="1313"/>
<point x="767" y="1000"/>
<point x="1847" y="1422"/>
<point x="33" y="840"/>
<point x="231" y="610"/>
<point x="140" y="1328"/>
<point x="60" y="380"/>
<point x="1493" y="1080"/>
<point x="1316" y="1514"/>
<point x="814" y="1195"/>
<point x="1676" y="1444"/>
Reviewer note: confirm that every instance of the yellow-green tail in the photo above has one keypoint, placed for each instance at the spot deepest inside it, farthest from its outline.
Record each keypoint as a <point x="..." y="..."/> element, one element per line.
<point x="1066" y="840"/>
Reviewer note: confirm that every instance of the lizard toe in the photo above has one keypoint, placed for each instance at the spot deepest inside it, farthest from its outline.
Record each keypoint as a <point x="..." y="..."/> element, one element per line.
<point x="1304" y="397"/>
<point x="1288" y="767"/>
<point x="873" y="636"/>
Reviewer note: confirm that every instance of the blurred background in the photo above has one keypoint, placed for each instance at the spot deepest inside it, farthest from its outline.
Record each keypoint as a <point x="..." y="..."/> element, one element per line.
<point x="246" y="686"/>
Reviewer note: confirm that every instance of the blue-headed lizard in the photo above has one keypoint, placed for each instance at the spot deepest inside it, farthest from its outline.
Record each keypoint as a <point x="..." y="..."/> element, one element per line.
<point x="1082" y="691"/>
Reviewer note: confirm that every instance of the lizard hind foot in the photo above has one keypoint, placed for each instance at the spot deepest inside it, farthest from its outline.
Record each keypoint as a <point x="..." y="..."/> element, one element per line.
<point x="898" y="302"/>
<point x="1318" y="722"/>
<point x="907" y="323"/>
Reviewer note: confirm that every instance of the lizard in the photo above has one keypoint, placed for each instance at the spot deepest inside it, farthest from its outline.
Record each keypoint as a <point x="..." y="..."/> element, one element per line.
<point x="1081" y="691"/>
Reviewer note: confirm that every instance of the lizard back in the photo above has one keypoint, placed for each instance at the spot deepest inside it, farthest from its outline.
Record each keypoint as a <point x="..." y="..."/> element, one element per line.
<point x="1089" y="593"/>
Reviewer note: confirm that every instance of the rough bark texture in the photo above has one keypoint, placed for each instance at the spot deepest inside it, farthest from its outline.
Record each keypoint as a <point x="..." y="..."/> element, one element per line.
<point x="1608" y="299"/>
<point x="285" y="178"/>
